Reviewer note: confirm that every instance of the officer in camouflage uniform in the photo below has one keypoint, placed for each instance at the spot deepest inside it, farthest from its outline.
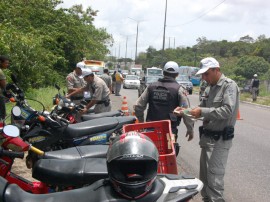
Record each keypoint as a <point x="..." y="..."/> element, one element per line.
<point x="99" y="92"/>
<point x="107" y="79"/>
<point x="219" y="108"/>
<point x="75" y="81"/>
<point x="4" y="63"/>
<point x="163" y="97"/>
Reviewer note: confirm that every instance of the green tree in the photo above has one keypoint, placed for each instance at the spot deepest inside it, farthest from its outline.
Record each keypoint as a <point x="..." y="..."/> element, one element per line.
<point x="247" y="66"/>
<point x="38" y="37"/>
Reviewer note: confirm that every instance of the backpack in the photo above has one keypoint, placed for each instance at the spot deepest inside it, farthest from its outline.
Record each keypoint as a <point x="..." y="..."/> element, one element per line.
<point x="113" y="77"/>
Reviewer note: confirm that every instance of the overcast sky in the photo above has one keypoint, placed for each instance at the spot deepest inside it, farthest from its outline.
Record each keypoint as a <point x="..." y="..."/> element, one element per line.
<point x="187" y="20"/>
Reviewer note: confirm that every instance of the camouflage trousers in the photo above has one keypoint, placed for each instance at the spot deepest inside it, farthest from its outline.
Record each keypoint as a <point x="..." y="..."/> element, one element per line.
<point x="213" y="161"/>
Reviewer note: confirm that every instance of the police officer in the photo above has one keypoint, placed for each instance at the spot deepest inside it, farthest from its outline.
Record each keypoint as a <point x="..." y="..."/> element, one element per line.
<point x="107" y="79"/>
<point x="4" y="63"/>
<point x="98" y="90"/>
<point x="203" y="86"/>
<point x="75" y="81"/>
<point x="163" y="97"/>
<point x="219" y="108"/>
<point x="255" y="83"/>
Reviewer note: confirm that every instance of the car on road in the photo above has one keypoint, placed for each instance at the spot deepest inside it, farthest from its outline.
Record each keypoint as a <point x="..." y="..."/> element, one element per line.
<point x="145" y="81"/>
<point x="124" y="73"/>
<point x="131" y="81"/>
<point x="246" y="87"/>
<point x="185" y="82"/>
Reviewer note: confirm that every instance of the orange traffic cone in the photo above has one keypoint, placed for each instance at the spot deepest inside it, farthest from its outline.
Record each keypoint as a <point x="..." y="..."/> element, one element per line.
<point x="124" y="107"/>
<point x="238" y="116"/>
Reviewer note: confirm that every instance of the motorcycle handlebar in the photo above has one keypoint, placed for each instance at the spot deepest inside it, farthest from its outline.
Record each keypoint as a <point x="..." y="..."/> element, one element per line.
<point x="62" y="119"/>
<point x="11" y="154"/>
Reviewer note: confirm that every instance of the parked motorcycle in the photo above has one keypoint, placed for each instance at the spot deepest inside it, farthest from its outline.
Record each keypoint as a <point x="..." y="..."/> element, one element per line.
<point x="65" y="108"/>
<point x="53" y="174"/>
<point x="165" y="188"/>
<point x="81" y="172"/>
<point x="49" y="134"/>
<point x="48" y="131"/>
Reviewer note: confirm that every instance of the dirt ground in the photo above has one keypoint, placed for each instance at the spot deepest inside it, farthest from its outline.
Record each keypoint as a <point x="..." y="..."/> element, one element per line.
<point x="19" y="168"/>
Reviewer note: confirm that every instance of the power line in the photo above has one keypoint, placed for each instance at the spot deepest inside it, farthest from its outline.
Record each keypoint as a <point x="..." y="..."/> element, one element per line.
<point x="200" y="16"/>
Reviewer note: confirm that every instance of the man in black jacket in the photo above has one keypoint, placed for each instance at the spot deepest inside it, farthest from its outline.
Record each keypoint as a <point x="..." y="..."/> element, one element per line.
<point x="163" y="97"/>
<point x="255" y="83"/>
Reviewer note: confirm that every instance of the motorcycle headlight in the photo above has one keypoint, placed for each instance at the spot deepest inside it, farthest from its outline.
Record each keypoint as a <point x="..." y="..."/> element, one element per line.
<point x="60" y="105"/>
<point x="71" y="105"/>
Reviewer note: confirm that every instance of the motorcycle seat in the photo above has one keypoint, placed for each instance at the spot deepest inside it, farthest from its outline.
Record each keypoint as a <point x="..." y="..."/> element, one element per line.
<point x="87" y="117"/>
<point x="122" y="120"/>
<point x="79" y="152"/>
<point x="91" y="127"/>
<point x="98" y="191"/>
<point x="76" y="172"/>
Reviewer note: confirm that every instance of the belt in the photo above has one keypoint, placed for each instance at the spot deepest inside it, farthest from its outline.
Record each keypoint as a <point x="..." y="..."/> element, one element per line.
<point x="103" y="101"/>
<point x="209" y="133"/>
<point x="227" y="133"/>
<point x="76" y="98"/>
<point x="212" y="133"/>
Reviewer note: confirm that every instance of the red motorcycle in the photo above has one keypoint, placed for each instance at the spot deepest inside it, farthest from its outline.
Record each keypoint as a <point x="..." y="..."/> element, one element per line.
<point x="57" y="170"/>
<point x="13" y="147"/>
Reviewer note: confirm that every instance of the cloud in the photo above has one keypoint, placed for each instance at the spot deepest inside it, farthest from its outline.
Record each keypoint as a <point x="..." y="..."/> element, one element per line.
<point x="186" y="20"/>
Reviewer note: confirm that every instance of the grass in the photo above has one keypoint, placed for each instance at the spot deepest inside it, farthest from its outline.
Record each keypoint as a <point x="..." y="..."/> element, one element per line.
<point x="37" y="98"/>
<point x="263" y="98"/>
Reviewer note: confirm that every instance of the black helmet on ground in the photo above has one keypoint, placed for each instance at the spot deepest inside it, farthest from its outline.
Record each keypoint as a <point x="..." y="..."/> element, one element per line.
<point x="132" y="162"/>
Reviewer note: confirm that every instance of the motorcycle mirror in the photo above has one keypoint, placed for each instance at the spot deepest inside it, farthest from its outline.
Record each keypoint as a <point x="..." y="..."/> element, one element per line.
<point x="16" y="111"/>
<point x="11" y="131"/>
<point x="14" y="78"/>
<point x="56" y="86"/>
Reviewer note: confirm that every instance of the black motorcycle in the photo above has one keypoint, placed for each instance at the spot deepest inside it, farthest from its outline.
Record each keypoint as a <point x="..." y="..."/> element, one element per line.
<point x="48" y="131"/>
<point x="165" y="188"/>
<point x="66" y="109"/>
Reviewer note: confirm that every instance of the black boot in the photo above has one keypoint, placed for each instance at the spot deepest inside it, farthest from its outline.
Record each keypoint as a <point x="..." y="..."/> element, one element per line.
<point x="176" y="148"/>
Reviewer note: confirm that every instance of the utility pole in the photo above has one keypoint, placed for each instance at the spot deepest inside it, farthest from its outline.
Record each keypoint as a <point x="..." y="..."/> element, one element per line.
<point x="115" y="54"/>
<point x="126" y="52"/>
<point x="119" y="51"/>
<point x="163" y="46"/>
<point x="137" y="33"/>
<point x="136" y="41"/>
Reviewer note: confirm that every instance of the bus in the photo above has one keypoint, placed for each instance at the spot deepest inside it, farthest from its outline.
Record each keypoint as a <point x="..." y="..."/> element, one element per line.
<point x="136" y="71"/>
<point x="195" y="79"/>
<point x="191" y="73"/>
<point x="154" y="71"/>
<point x="95" y="65"/>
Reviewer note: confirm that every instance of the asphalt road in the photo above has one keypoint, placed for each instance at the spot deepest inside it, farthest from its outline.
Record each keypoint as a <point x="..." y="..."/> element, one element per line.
<point x="248" y="170"/>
